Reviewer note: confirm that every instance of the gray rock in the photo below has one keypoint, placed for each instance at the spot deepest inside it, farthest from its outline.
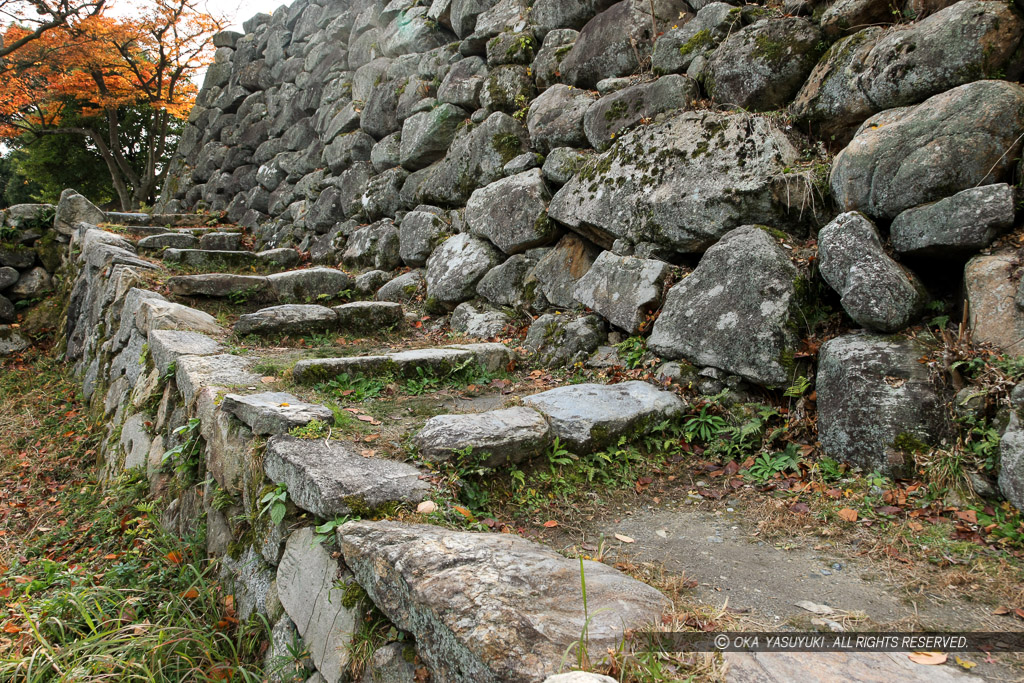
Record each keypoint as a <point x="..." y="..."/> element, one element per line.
<point x="418" y="235"/>
<point x="558" y="271"/>
<point x="587" y="417"/>
<point x="623" y="289"/>
<point x="505" y="285"/>
<point x="156" y="314"/>
<point x="308" y="285"/>
<point x="224" y="370"/>
<point x="558" y="340"/>
<point x="249" y="579"/>
<point x="679" y="46"/>
<point x="331" y="478"/>
<point x="311" y="586"/>
<point x="548" y="62"/>
<point x="847" y="16"/>
<point x="7" y="311"/>
<point x="222" y="285"/>
<point x="461" y="86"/>
<point x="393" y="663"/>
<point x="375" y="246"/>
<point x="369" y="316"/>
<point x="209" y="260"/>
<point x="762" y="66"/>
<point x="455" y="268"/>
<point x="404" y="288"/>
<point x="966" y="222"/>
<point x="383" y="195"/>
<point x="274" y="412"/>
<point x="509" y="47"/>
<point x="512" y="213"/>
<point x="625" y="108"/>
<point x="562" y="164"/>
<point x="1011" y="462"/>
<point x="167" y="346"/>
<point x="440" y="361"/>
<point x="605" y="47"/>
<point x="522" y="164"/>
<point x="73" y="209"/>
<point x="876" y="292"/>
<point x="875" y="70"/>
<point x="31" y="285"/>
<point x="280" y="663"/>
<point x="372" y="280"/>
<point x="283" y="257"/>
<point x="877" y="402"/>
<point x="555" y="118"/>
<point x="498" y="437"/>
<point x="176" y="240"/>
<point x="426" y="136"/>
<point x="736" y="311"/>
<point x="507" y="88"/>
<point x="136" y="440"/>
<point x="467" y="598"/>
<point x="287" y="319"/>
<point x="8" y="276"/>
<point x="910" y="156"/>
<point x="387" y="153"/>
<point x="17" y="256"/>
<point x="12" y="341"/>
<point x="731" y="164"/>
<point x="993" y="290"/>
<point x="227" y="241"/>
<point x="476" y="158"/>
<point x="481" y="324"/>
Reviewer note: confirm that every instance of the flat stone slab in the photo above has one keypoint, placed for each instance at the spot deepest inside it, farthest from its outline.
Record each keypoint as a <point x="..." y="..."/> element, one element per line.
<point x="331" y="478"/>
<point x="369" y="316"/>
<point x="221" y="285"/>
<point x="505" y="436"/>
<point x="287" y="319"/>
<point x="491" y="608"/>
<point x="311" y="585"/>
<point x="274" y="412"/>
<point x="156" y="314"/>
<point x="224" y="370"/>
<point x="167" y="346"/>
<point x="209" y="258"/>
<point x="168" y="240"/>
<point x="491" y="356"/>
<point x="310" y="285"/>
<point x="586" y="417"/>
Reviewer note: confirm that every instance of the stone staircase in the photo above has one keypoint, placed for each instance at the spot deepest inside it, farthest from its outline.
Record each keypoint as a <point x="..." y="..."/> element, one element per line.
<point x="474" y="606"/>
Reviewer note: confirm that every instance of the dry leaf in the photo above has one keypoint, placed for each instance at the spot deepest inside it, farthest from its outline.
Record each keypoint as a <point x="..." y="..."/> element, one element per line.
<point x="930" y="658"/>
<point x="190" y="594"/>
<point x="550" y="524"/>
<point x="965" y="664"/>
<point x="624" y="539"/>
<point x="848" y="515"/>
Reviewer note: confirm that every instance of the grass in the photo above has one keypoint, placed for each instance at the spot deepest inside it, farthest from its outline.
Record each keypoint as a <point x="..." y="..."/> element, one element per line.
<point x="94" y="588"/>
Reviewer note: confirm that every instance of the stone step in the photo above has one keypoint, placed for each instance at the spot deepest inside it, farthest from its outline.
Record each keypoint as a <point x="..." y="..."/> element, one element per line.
<point x="212" y="259"/>
<point x="293" y="286"/>
<point x="274" y="412"/>
<point x="358" y="317"/>
<point x="584" y="417"/>
<point x="825" y="667"/>
<point x="159" y="220"/>
<point x="332" y="478"/>
<point x="490" y="356"/>
<point x="492" y="608"/>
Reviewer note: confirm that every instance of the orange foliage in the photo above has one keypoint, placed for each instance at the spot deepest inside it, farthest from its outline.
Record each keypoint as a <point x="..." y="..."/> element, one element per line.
<point x="100" y="63"/>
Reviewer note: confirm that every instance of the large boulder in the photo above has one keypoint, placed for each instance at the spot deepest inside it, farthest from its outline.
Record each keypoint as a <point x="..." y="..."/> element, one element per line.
<point x="876" y="292"/>
<point x="906" y="157"/>
<point x="697" y="38"/>
<point x="875" y="70"/>
<point x="556" y="340"/>
<point x="420" y="232"/>
<point x="476" y="158"/>
<point x="955" y="226"/>
<point x="557" y="272"/>
<point x="878" y="404"/>
<point x="455" y="268"/>
<point x="491" y="608"/>
<point x="1011" y="462"/>
<point x="73" y="209"/>
<point x="763" y="65"/>
<point x="497" y="437"/>
<point x="426" y="136"/>
<point x="555" y="118"/>
<point x="731" y="166"/>
<point x="505" y="285"/>
<point x="624" y="109"/>
<point x="623" y="289"/>
<point x="994" y="301"/>
<point x="375" y="246"/>
<point x="608" y="45"/>
<point x="736" y="312"/>
<point x="512" y="212"/>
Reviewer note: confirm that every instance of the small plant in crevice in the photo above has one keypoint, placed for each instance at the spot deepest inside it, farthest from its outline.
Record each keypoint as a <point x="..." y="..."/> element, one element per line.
<point x="325" y="532"/>
<point x="767" y="465"/>
<point x="275" y="503"/>
<point x="185" y="456"/>
<point x="632" y="352"/>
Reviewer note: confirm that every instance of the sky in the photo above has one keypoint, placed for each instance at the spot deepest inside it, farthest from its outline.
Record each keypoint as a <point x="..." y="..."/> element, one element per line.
<point x="238" y="11"/>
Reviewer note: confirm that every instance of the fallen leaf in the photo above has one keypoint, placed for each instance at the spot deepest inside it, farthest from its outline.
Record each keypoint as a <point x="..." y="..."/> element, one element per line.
<point x="190" y="594"/>
<point x="283" y="405"/>
<point x="1001" y="610"/>
<point x="550" y="524"/>
<point x="965" y="664"/>
<point x="969" y="516"/>
<point x="426" y="507"/>
<point x="464" y="512"/>
<point x="848" y="515"/>
<point x="930" y="658"/>
<point x="12" y="628"/>
<point x="174" y="557"/>
<point x="624" y="539"/>
<point x="111" y="556"/>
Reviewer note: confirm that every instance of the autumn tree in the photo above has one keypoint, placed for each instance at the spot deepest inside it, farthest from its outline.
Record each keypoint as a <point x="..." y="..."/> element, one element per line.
<point x="39" y="17"/>
<point x="91" y="75"/>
